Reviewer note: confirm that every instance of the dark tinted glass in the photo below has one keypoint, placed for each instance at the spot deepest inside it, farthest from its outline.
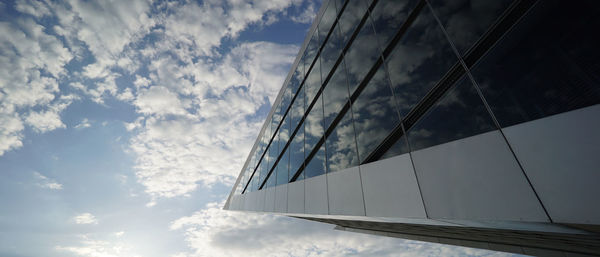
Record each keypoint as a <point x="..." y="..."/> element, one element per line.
<point x="361" y="55"/>
<point x="374" y="114"/>
<point x="458" y="114"/>
<point x="388" y="16"/>
<point x="546" y="65"/>
<point x="316" y="166"/>
<point x="313" y="83"/>
<point x="297" y="151"/>
<point x="341" y="146"/>
<point x="313" y="126"/>
<point x="327" y="20"/>
<point x="331" y="52"/>
<point x="398" y="148"/>
<point x="350" y="18"/>
<point x="466" y="20"/>
<point x="335" y="95"/>
<point x="420" y="59"/>
<point x="283" y="168"/>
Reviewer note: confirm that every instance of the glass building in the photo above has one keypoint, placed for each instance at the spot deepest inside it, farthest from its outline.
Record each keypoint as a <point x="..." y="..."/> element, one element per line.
<point x="466" y="122"/>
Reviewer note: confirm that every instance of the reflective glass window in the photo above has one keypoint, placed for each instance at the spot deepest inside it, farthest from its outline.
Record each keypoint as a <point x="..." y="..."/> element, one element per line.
<point x="374" y="114"/>
<point x="330" y="53"/>
<point x="350" y="18"/>
<point x="313" y="126"/>
<point x="316" y="166"/>
<point x="547" y="64"/>
<point x="458" y="114"/>
<point x="286" y="99"/>
<point x="272" y="179"/>
<point x="388" y="16"/>
<point x="313" y="83"/>
<point x="327" y="20"/>
<point x="273" y="151"/>
<point x="296" y="149"/>
<point x="361" y="55"/>
<point x="296" y="79"/>
<point x="284" y="133"/>
<point x="311" y="51"/>
<point x="335" y="95"/>
<point x="254" y="180"/>
<point x="283" y="168"/>
<point x="466" y="20"/>
<point x="419" y="61"/>
<point x="297" y="110"/>
<point x="341" y="146"/>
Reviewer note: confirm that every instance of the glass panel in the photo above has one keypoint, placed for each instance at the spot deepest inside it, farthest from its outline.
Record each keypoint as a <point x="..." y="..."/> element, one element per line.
<point x="388" y="16"/>
<point x="282" y="168"/>
<point x="327" y="20"/>
<point x="374" y="114"/>
<point x="297" y="152"/>
<point x="273" y="152"/>
<point x="254" y="183"/>
<point x="313" y="83"/>
<point x="296" y="79"/>
<point x="286" y="98"/>
<point x="265" y="166"/>
<point x="313" y="126"/>
<point x="361" y="55"/>
<point x="420" y="59"/>
<point x="311" y="50"/>
<point x="458" y="114"/>
<point x="275" y="121"/>
<point x="341" y="146"/>
<point x="350" y="18"/>
<point x="316" y="166"/>
<point x="272" y="180"/>
<point x="466" y="20"/>
<point x="297" y="110"/>
<point x="546" y="65"/>
<point x="400" y="147"/>
<point x="284" y="135"/>
<point x="335" y="94"/>
<point x="331" y="52"/>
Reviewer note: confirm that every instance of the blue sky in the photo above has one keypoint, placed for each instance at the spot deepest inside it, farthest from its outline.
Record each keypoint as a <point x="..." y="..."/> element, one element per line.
<point x="123" y="125"/>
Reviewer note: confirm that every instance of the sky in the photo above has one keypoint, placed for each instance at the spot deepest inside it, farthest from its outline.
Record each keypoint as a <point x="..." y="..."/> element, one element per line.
<point x="123" y="125"/>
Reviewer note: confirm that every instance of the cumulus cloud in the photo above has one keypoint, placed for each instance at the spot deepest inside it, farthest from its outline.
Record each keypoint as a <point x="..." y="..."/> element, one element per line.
<point x="160" y="101"/>
<point x="176" y="153"/>
<point x="31" y="61"/>
<point x="214" y="232"/>
<point x="45" y="182"/>
<point x="85" y="218"/>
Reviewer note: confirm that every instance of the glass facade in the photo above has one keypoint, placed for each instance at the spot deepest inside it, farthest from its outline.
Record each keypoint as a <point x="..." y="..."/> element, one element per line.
<point x="382" y="78"/>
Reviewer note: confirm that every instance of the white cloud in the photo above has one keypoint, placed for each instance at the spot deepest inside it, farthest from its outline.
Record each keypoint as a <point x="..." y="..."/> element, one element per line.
<point x="214" y="232"/>
<point x="45" y="182"/>
<point x="175" y="154"/>
<point x="158" y="100"/>
<point x="85" y="218"/>
<point x="85" y="123"/>
<point x="120" y="233"/>
<point x="307" y="15"/>
<point x="31" y="61"/>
